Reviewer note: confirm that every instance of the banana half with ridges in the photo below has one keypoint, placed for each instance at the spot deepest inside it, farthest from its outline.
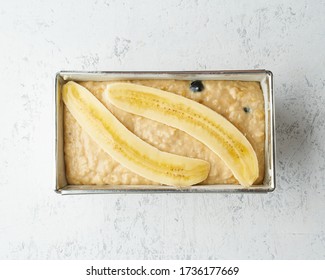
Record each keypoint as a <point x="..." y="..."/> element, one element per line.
<point x="125" y="147"/>
<point x="199" y="121"/>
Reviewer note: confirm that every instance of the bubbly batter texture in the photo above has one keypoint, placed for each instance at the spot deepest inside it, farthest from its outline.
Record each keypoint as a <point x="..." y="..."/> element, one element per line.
<point x="242" y="103"/>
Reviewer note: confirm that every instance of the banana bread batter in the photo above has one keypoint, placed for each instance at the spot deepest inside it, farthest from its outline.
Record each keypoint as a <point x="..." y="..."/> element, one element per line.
<point x="242" y="103"/>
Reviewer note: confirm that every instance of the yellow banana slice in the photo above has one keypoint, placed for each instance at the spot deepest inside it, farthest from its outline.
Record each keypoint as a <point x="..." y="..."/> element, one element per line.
<point x="125" y="147"/>
<point x="199" y="121"/>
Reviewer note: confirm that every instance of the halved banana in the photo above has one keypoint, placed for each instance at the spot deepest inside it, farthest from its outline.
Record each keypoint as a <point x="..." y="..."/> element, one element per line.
<point x="199" y="121"/>
<point x="125" y="147"/>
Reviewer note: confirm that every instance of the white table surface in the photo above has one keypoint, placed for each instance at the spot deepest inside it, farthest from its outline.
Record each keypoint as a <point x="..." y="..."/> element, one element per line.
<point x="39" y="38"/>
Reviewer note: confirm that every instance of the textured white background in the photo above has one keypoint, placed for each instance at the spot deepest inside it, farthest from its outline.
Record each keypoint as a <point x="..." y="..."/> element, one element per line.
<point x="39" y="38"/>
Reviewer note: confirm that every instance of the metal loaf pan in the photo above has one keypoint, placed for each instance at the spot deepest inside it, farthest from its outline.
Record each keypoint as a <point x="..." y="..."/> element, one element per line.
<point x="265" y="78"/>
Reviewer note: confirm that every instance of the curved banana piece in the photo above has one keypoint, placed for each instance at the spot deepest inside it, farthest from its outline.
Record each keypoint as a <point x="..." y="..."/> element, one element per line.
<point x="199" y="121"/>
<point x="125" y="147"/>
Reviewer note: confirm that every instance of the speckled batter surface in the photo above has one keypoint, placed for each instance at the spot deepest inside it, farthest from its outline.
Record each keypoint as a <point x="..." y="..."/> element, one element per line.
<point x="241" y="103"/>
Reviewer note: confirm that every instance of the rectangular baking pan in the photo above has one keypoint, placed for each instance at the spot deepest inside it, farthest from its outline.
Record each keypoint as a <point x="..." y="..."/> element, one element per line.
<point x="265" y="78"/>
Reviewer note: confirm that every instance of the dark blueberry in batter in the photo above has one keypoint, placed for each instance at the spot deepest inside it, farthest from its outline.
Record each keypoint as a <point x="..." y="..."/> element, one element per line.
<point x="196" y="86"/>
<point x="246" y="109"/>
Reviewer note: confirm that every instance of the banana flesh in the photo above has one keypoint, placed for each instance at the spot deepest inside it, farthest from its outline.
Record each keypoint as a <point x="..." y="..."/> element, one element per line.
<point x="125" y="147"/>
<point x="199" y="121"/>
